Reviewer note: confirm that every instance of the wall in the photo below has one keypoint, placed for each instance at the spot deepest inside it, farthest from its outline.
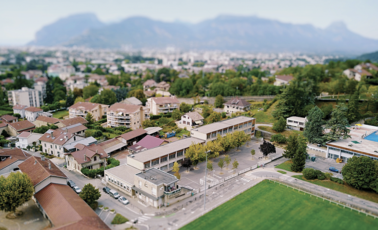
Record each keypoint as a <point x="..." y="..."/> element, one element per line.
<point x="125" y="188"/>
<point x="136" y="164"/>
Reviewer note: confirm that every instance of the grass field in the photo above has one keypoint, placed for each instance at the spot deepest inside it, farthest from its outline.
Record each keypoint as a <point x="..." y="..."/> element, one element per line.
<point x="285" y="166"/>
<point x="4" y="112"/>
<point x="282" y="172"/>
<point x="367" y="195"/>
<point x="272" y="206"/>
<point x="286" y="133"/>
<point x="265" y="117"/>
<point x="60" y="114"/>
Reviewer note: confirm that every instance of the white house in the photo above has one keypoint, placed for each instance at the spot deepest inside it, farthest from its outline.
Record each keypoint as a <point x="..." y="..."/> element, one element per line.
<point x="20" y="109"/>
<point x="236" y="105"/>
<point x="26" y="139"/>
<point x="283" y="80"/>
<point x="357" y="74"/>
<point x="31" y="113"/>
<point x="191" y="119"/>
<point x="297" y="123"/>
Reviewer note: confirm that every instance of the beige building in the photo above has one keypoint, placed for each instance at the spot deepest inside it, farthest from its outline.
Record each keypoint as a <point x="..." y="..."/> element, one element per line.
<point x="45" y="121"/>
<point x="81" y="109"/>
<point x="211" y="131"/>
<point x="236" y="105"/>
<point x="25" y="96"/>
<point x="91" y="157"/>
<point x="129" y="116"/>
<point x="159" y="105"/>
<point x="283" y="80"/>
<point x="18" y="127"/>
<point x="72" y="121"/>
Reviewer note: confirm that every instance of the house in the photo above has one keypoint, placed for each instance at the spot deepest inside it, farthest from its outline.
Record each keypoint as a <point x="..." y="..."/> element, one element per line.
<point x="366" y="66"/>
<point x="113" y="145"/>
<point x="283" y="80"/>
<point x="129" y="116"/>
<point x="25" y="96"/>
<point x="7" y="81"/>
<point x="61" y="71"/>
<point x="91" y="157"/>
<point x="32" y="74"/>
<point x="53" y="141"/>
<point x="297" y="123"/>
<point x="81" y="109"/>
<point x="100" y="79"/>
<point x="132" y="101"/>
<point x="148" y="142"/>
<point x="110" y="87"/>
<point x="26" y="139"/>
<point x="20" y="109"/>
<point x="9" y="118"/>
<point x="162" y="86"/>
<point x="236" y="105"/>
<point x="357" y="74"/>
<point x="149" y="84"/>
<point x="56" y="200"/>
<point x="131" y="138"/>
<point x="18" y="127"/>
<point x="11" y="158"/>
<point x="158" y="105"/>
<point x="31" y="113"/>
<point x="211" y="131"/>
<point x="72" y="121"/>
<point x="46" y="121"/>
<point x="191" y="119"/>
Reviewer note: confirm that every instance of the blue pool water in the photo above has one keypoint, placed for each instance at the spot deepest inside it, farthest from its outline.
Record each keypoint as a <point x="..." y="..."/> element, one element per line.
<point x="372" y="137"/>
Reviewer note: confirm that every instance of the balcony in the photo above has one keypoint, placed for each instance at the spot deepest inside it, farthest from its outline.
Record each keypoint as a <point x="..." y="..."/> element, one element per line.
<point x="172" y="192"/>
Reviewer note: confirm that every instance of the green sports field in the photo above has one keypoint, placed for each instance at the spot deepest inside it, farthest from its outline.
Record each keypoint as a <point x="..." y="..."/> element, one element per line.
<point x="269" y="205"/>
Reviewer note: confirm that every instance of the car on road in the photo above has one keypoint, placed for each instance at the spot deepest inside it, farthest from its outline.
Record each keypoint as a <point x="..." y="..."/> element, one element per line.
<point x="333" y="169"/>
<point x="71" y="183"/>
<point x="114" y="194"/>
<point x="106" y="190"/>
<point x="76" y="189"/>
<point x="123" y="200"/>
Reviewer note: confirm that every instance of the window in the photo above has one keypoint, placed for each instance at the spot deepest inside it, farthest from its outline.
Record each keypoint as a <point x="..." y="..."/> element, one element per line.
<point x="230" y="129"/>
<point x="153" y="191"/>
<point x="214" y="134"/>
<point x="95" y="158"/>
<point x="224" y="131"/>
<point x="208" y="136"/>
<point x="147" y="165"/>
<point x="290" y="121"/>
<point x="180" y="153"/>
<point x="172" y="156"/>
<point x="235" y="127"/>
<point x="171" y="165"/>
<point x="155" y="162"/>
<point x="164" y="159"/>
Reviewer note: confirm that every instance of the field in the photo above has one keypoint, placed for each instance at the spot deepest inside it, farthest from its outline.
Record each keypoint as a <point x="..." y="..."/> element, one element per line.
<point x="286" y="133"/>
<point x="264" y="117"/>
<point x="60" y="114"/>
<point x="272" y="206"/>
<point x="367" y="195"/>
<point x="285" y="166"/>
<point x="4" y="112"/>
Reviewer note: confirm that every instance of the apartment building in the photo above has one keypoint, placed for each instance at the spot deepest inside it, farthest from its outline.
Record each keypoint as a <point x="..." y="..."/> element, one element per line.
<point x="159" y="105"/>
<point x="31" y="113"/>
<point x="41" y="86"/>
<point x="236" y="105"/>
<point x="61" y="71"/>
<point x="81" y="109"/>
<point x="25" y="96"/>
<point x="129" y="116"/>
<point x="211" y="131"/>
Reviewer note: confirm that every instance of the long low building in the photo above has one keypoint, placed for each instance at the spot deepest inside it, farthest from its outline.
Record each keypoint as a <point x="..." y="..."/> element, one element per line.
<point x="211" y="131"/>
<point x="162" y="157"/>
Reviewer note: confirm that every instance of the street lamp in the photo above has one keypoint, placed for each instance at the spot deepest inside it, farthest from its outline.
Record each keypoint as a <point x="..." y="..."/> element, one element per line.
<point x="204" y="202"/>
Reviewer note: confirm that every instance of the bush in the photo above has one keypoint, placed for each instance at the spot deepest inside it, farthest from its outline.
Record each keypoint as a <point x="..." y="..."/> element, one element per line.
<point x="119" y="219"/>
<point x="224" y="114"/>
<point x="337" y="180"/>
<point x="279" y="125"/>
<point x="328" y="175"/>
<point x="93" y="172"/>
<point x="309" y="173"/>
<point x="278" y="138"/>
<point x="258" y="134"/>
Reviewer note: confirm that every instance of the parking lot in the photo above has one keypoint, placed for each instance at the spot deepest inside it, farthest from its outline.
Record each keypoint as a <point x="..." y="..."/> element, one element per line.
<point x="323" y="164"/>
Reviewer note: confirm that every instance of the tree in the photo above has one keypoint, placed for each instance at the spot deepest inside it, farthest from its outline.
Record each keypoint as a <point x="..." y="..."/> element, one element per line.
<point x="299" y="159"/>
<point x="77" y="92"/>
<point x="313" y="127"/>
<point x="291" y="148"/>
<point x="221" y="163"/>
<point x="185" y="107"/>
<point x="279" y="125"/>
<point x="196" y="153"/>
<point x="90" y="194"/>
<point x="15" y="190"/>
<point x="107" y="97"/>
<point x="253" y="152"/>
<point x="138" y="93"/>
<point x="214" y="147"/>
<point x="235" y="164"/>
<point x="353" y="113"/>
<point x="90" y="91"/>
<point x="227" y="159"/>
<point x="239" y="138"/>
<point x="176" y="169"/>
<point x="187" y="163"/>
<point x="218" y="101"/>
<point x="213" y="117"/>
<point x="360" y="172"/>
<point x="267" y="148"/>
<point x="176" y="115"/>
<point x="227" y="141"/>
<point x="337" y="124"/>
<point x="59" y="95"/>
<point x="121" y="93"/>
<point x="210" y="165"/>
<point x="89" y="118"/>
<point x="79" y="99"/>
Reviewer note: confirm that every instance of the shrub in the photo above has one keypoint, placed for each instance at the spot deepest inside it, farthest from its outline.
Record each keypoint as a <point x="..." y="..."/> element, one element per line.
<point x="258" y="134"/>
<point x="328" y="175"/>
<point x="278" y="138"/>
<point x="319" y="174"/>
<point x="337" y="180"/>
<point x="224" y="114"/>
<point x="309" y="173"/>
<point x="119" y="219"/>
<point x="93" y="172"/>
<point x="279" y="125"/>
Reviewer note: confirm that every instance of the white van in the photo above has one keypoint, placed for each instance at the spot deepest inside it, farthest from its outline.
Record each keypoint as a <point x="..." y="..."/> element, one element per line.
<point x="113" y="194"/>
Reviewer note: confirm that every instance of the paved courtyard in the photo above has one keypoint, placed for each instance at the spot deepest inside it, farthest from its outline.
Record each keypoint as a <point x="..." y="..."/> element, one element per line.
<point x="323" y="164"/>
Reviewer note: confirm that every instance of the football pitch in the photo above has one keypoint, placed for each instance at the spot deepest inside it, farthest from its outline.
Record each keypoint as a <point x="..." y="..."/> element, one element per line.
<point x="269" y="205"/>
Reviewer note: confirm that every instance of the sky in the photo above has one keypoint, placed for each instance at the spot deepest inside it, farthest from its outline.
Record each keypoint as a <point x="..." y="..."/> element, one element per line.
<point x="21" y="19"/>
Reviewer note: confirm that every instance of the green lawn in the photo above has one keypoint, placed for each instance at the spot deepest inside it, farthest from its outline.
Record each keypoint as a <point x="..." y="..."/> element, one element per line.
<point x="182" y="132"/>
<point x="283" y="172"/>
<point x="265" y="117"/>
<point x="285" y="166"/>
<point x="286" y="133"/>
<point x="4" y="112"/>
<point x="367" y="195"/>
<point x="60" y="114"/>
<point x="269" y="205"/>
<point x="111" y="135"/>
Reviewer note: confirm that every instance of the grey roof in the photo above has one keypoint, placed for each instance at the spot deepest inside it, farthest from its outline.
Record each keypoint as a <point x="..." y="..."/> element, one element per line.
<point x="151" y="130"/>
<point x="166" y="149"/>
<point x="133" y="101"/>
<point x="87" y="141"/>
<point x="238" y="101"/>
<point x="157" y="177"/>
<point x="223" y="124"/>
<point x="124" y="172"/>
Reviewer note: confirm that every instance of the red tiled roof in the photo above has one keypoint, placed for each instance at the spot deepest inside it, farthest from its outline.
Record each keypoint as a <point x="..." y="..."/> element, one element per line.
<point x="284" y="77"/>
<point x="8" y="118"/>
<point x="42" y="79"/>
<point x="194" y="116"/>
<point x="22" y="125"/>
<point x="33" y="109"/>
<point x="38" y="169"/>
<point x="51" y="120"/>
<point x="132" y="134"/>
<point x="12" y="155"/>
<point x="165" y="100"/>
<point x="72" y="121"/>
<point x="66" y="210"/>
<point x="237" y="101"/>
<point x="62" y="135"/>
<point x="24" y="134"/>
<point x="149" y="82"/>
<point x="19" y="107"/>
<point x="87" y="106"/>
<point x="150" y="142"/>
<point x="88" y="151"/>
<point x="124" y="108"/>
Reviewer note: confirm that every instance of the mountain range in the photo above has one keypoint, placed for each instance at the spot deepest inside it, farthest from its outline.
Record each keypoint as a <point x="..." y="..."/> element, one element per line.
<point x="233" y="33"/>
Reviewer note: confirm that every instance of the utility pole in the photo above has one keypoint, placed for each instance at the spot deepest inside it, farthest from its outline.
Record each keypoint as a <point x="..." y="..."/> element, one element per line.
<point x="204" y="203"/>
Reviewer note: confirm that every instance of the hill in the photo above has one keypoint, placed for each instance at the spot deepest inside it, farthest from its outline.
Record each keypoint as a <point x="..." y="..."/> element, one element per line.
<point x="373" y="57"/>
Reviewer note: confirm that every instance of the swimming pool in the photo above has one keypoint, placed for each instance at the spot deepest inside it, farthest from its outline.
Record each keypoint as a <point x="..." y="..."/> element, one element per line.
<point x="372" y="137"/>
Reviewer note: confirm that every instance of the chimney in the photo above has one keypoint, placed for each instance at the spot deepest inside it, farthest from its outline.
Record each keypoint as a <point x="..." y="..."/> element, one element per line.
<point x="49" y="165"/>
<point x="52" y="134"/>
<point x="85" y="157"/>
<point x="42" y="158"/>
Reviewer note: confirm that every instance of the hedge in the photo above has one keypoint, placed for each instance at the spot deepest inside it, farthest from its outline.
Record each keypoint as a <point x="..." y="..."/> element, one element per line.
<point x="155" y="117"/>
<point x="93" y="172"/>
<point x="337" y="180"/>
<point x="279" y="138"/>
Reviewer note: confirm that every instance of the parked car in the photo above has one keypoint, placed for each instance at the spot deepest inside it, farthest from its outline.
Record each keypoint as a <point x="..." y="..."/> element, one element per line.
<point x="123" y="200"/>
<point x="114" y="194"/>
<point x="333" y="169"/>
<point x="76" y="189"/>
<point x="106" y="190"/>
<point x="71" y="183"/>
